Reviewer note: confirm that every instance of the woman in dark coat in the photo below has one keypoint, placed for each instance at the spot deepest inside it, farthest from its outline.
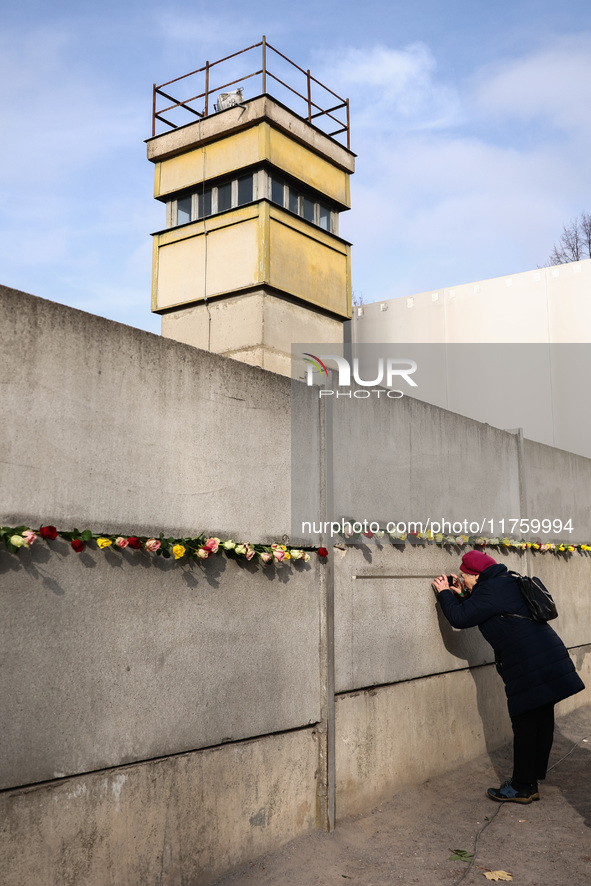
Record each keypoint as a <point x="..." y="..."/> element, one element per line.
<point x="531" y="658"/>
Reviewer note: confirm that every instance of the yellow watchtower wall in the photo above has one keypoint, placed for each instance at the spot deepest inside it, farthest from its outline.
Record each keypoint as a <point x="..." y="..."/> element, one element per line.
<point x="245" y="148"/>
<point x="252" y="246"/>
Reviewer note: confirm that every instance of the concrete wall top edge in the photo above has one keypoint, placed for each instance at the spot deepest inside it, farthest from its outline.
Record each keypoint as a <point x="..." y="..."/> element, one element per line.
<point x="44" y="311"/>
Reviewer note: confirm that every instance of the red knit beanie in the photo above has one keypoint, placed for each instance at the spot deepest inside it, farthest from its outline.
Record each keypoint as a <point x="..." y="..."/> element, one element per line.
<point x="475" y="562"/>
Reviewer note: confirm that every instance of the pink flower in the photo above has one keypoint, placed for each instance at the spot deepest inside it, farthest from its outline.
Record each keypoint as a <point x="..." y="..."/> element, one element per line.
<point x="30" y="536"/>
<point x="250" y="552"/>
<point x="202" y="554"/>
<point x="152" y="545"/>
<point x="278" y="555"/>
<point x="266" y="556"/>
<point x="211" y="545"/>
<point x="121" y="542"/>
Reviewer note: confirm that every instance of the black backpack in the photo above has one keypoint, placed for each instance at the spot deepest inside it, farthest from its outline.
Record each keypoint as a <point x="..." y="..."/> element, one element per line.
<point x="542" y="607"/>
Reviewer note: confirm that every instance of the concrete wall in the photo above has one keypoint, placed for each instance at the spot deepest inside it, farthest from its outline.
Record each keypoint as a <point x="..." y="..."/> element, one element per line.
<point x="181" y="819"/>
<point x="164" y="721"/>
<point x="116" y="427"/>
<point x="527" y="334"/>
<point x="116" y="658"/>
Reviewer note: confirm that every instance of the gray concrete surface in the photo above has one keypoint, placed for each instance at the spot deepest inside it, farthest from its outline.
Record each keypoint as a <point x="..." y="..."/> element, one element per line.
<point x="179" y="820"/>
<point x="408" y="838"/>
<point x="109" y="657"/>
<point x="125" y="430"/>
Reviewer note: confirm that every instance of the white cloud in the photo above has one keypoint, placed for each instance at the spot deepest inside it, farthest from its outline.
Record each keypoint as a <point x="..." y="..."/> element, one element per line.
<point x="552" y="85"/>
<point x="392" y="89"/>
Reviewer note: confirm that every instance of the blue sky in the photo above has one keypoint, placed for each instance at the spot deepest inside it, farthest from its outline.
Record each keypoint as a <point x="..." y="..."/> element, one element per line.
<point x="470" y="121"/>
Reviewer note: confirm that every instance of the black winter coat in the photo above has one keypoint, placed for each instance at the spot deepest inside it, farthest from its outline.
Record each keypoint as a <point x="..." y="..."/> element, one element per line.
<point x="534" y="662"/>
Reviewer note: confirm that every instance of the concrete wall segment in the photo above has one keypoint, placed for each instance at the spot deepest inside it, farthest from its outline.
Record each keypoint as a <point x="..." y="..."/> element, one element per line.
<point x="558" y="486"/>
<point x="185" y="819"/>
<point x="395" y="736"/>
<point x="161" y="446"/>
<point x="406" y="460"/>
<point x="109" y="658"/>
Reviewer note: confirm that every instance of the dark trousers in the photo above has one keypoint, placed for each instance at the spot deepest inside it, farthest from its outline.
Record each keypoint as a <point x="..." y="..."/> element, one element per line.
<point x="533" y="734"/>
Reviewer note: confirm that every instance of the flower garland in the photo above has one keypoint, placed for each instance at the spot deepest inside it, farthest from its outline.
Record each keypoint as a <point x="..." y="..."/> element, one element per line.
<point x="458" y="540"/>
<point x="200" y="547"/>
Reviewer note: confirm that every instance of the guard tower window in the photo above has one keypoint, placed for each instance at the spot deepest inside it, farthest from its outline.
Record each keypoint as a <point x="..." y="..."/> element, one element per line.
<point x="277" y="190"/>
<point x="227" y="194"/>
<point x="224" y="196"/>
<point x="203" y="202"/>
<point x="245" y="189"/>
<point x="183" y="210"/>
<point x="304" y="204"/>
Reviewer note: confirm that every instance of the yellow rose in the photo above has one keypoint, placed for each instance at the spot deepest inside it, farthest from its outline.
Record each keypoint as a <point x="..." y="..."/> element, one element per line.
<point x="104" y="542"/>
<point x="287" y="556"/>
<point x="178" y="551"/>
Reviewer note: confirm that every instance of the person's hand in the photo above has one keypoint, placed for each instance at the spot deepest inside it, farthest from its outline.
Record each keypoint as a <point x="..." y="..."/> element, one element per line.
<point x="457" y="586"/>
<point x="440" y="583"/>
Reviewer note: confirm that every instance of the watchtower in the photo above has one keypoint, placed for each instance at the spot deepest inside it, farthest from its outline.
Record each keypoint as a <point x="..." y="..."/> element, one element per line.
<point x="251" y="259"/>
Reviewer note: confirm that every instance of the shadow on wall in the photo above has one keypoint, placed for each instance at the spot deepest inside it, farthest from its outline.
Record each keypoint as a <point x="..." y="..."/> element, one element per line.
<point x="490" y="693"/>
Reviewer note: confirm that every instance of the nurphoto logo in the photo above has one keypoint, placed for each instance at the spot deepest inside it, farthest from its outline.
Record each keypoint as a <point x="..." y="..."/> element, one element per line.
<point x="388" y="370"/>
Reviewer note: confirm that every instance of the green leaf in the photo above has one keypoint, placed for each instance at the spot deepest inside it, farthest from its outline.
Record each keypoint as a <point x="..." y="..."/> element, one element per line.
<point x="461" y="855"/>
<point x="86" y="535"/>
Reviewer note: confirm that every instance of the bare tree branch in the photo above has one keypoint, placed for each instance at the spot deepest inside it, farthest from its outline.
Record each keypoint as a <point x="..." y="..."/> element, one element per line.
<point x="574" y="243"/>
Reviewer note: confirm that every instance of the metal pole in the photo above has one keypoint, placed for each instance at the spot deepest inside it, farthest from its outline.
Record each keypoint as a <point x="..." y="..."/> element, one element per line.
<point x="309" y="96"/>
<point x="348" y="126"/>
<point x="206" y="88"/>
<point x="264" y="64"/>
<point x="154" y="111"/>
<point x="326" y="465"/>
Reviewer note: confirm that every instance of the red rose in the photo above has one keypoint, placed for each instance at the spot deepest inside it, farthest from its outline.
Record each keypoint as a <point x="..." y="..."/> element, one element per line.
<point x="322" y="552"/>
<point x="48" y="532"/>
<point x="134" y="543"/>
<point x="78" y="545"/>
